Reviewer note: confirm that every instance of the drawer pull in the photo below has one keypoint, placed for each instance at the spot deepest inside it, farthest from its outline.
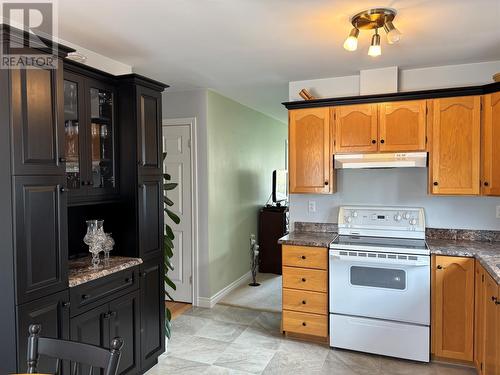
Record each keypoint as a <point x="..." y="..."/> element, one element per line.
<point x="303" y="257"/>
<point x="303" y="279"/>
<point x="303" y="302"/>
<point x="304" y="324"/>
<point x="85" y="296"/>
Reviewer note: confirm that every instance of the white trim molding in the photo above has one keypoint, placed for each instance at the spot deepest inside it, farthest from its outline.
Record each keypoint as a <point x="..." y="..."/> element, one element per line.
<point x="191" y="121"/>
<point x="212" y="301"/>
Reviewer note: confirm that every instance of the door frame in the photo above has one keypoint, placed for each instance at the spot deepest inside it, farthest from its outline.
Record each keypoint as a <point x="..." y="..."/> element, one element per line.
<point x="191" y="122"/>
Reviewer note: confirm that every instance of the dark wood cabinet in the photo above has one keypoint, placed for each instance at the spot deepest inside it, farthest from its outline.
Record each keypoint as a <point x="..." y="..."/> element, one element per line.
<point x="37" y="127"/>
<point x="52" y="313"/>
<point x="273" y="224"/>
<point x="118" y="318"/>
<point x="125" y="323"/>
<point x="91" y="327"/>
<point x="150" y="209"/>
<point x="90" y="138"/>
<point x="152" y="301"/>
<point x="149" y="131"/>
<point x="40" y="236"/>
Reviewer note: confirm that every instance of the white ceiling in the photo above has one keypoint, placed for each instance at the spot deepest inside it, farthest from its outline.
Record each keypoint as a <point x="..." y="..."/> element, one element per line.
<point x="250" y="49"/>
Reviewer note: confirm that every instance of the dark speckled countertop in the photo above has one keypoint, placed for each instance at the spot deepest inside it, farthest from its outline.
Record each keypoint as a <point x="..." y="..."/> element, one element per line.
<point x="318" y="239"/>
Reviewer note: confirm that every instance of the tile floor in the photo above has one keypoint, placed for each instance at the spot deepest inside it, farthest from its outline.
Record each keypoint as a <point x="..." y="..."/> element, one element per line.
<point x="231" y="340"/>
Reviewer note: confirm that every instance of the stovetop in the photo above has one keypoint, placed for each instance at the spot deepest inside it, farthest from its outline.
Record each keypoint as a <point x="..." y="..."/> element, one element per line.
<point x="381" y="244"/>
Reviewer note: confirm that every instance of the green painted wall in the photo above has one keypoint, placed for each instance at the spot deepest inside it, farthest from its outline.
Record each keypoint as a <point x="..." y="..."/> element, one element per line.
<point x="244" y="147"/>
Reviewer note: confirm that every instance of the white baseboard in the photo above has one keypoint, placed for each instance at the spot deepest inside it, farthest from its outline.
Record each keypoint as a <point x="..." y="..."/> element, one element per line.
<point x="210" y="302"/>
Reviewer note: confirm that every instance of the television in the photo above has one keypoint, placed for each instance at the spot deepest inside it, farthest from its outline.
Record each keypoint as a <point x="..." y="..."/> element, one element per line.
<point x="280" y="185"/>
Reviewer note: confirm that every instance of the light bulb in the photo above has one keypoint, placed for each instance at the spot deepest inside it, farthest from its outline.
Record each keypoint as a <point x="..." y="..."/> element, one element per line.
<point x="351" y="43"/>
<point x="393" y="34"/>
<point x="375" y="49"/>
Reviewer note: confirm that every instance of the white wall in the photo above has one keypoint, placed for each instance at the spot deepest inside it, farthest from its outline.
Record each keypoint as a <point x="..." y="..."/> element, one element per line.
<point x="182" y="104"/>
<point x="406" y="187"/>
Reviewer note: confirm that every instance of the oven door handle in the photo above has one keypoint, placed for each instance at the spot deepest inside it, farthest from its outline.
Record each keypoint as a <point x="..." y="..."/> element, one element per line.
<point x="395" y="262"/>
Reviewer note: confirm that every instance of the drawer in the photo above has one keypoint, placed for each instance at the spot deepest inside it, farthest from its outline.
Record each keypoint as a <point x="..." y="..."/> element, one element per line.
<point x="86" y="296"/>
<point x="305" y="256"/>
<point x="305" y="301"/>
<point x="305" y="279"/>
<point x="304" y="323"/>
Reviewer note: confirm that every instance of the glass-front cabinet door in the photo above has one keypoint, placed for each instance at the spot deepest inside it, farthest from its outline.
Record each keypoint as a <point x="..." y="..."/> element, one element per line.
<point x="89" y="139"/>
<point x="102" y="139"/>
<point x="73" y="136"/>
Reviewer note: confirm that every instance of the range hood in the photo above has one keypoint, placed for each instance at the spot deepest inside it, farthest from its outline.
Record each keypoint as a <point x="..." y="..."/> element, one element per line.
<point x="383" y="160"/>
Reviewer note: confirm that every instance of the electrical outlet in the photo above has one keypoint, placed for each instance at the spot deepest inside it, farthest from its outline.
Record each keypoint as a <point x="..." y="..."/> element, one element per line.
<point x="312" y="206"/>
<point x="498" y="212"/>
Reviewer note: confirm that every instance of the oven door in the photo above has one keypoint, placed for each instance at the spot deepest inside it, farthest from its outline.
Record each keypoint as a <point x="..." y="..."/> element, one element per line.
<point x="380" y="285"/>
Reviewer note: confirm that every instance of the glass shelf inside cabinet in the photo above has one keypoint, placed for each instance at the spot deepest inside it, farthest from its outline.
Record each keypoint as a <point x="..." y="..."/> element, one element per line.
<point x="71" y="135"/>
<point x="102" y="138"/>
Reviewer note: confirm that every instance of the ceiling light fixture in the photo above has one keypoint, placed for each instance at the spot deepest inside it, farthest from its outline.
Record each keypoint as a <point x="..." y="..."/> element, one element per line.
<point x="373" y="19"/>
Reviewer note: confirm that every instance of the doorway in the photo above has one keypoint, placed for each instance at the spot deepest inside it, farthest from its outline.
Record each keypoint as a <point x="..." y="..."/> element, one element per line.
<point x="180" y="163"/>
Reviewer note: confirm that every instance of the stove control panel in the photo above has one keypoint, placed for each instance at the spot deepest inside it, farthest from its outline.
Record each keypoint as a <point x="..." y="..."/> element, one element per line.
<point x="404" y="222"/>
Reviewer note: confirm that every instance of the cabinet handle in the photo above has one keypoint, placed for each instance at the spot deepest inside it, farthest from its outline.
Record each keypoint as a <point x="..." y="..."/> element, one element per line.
<point x="303" y="279"/>
<point x="62" y="160"/>
<point x="62" y="189"/>
<point x="486" y="183"/>
<point x="127" y="280"/>
<point x="374" y="141"/>
<point x="435" y="183"/>
<point x="304" y="324"/>
<point x="144" y="274"/>
<point x="439" y="267"/>
<point x="326" y="183"/>
<point x="85" y="296"/>
<point x="382" y="141"/>
<point x="303" y="302"/>
<point x="494" y="299"/>
<point x="112" y="314"/>
<point x="106" y="315"/>
<point x="90" y="183"/>
<point x="66" y="304"/>
<point x="303" y="257"/>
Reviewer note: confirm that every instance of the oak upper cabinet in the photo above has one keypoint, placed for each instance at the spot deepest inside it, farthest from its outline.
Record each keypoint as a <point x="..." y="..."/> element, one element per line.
<point x="490" y="181"/>
<point x="311" y="169"/>
<point x="356" y="128"/>
<point x="453" y="307"/>
<point x="402" y="126"/>
<point x="455" y="158"/>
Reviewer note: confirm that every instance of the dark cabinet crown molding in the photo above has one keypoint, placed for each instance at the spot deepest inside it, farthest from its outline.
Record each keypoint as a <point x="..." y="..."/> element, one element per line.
<point x="137" y="79"/>
<point x="396" y="96"/>
<point x="9" y="33"/>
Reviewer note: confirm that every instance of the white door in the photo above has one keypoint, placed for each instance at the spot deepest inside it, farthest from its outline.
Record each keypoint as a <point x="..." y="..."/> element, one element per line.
<point x="176" y="143"/>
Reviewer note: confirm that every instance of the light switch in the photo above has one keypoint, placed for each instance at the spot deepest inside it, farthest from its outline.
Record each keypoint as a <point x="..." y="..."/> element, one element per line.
<point x="312" y="206"/>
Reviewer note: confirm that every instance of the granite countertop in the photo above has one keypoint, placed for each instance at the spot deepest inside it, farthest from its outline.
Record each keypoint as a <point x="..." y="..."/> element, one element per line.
<point x="310" y="234"/>
<point x="487" y="253"/>
<point x="81" y="271"/>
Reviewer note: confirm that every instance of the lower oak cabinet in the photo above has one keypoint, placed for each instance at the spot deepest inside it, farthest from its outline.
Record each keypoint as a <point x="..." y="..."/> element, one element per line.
<point x="453" y="308"/>
<point x="487" y="337"/>
<point x="305" y="291"/>
<point x="99" y="326"/>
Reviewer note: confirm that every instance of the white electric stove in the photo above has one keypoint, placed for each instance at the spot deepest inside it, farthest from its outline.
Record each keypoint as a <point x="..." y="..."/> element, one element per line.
<point x="380" y="282"/>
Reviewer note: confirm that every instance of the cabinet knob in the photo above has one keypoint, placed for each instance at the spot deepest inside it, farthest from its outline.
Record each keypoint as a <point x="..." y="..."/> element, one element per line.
<point x="62" y="160"/>
<point x="144" y="274"/>
<point x="106" y="315"/>
<point x="90" y="183"/>
<point x="304" y="324"/>
<point x="112" y="314"/>
<point x="486" y="183"/>
<point x="435" y="183"/>
<point x="303" y="302"/>
<point x="62" y="189"/>
<point x="494" y="299"/>
<point x="439" y="267"/>
<point x="326" y="183"/>
<point x="382" y="141"/>
<point x="374" y="141"/>
<point x="303" y="279"/>
<point x="85" y="296"/>
<point x="66" y="304"/>
<point x="127" y="280"/>
<point x="303" y="257"/>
